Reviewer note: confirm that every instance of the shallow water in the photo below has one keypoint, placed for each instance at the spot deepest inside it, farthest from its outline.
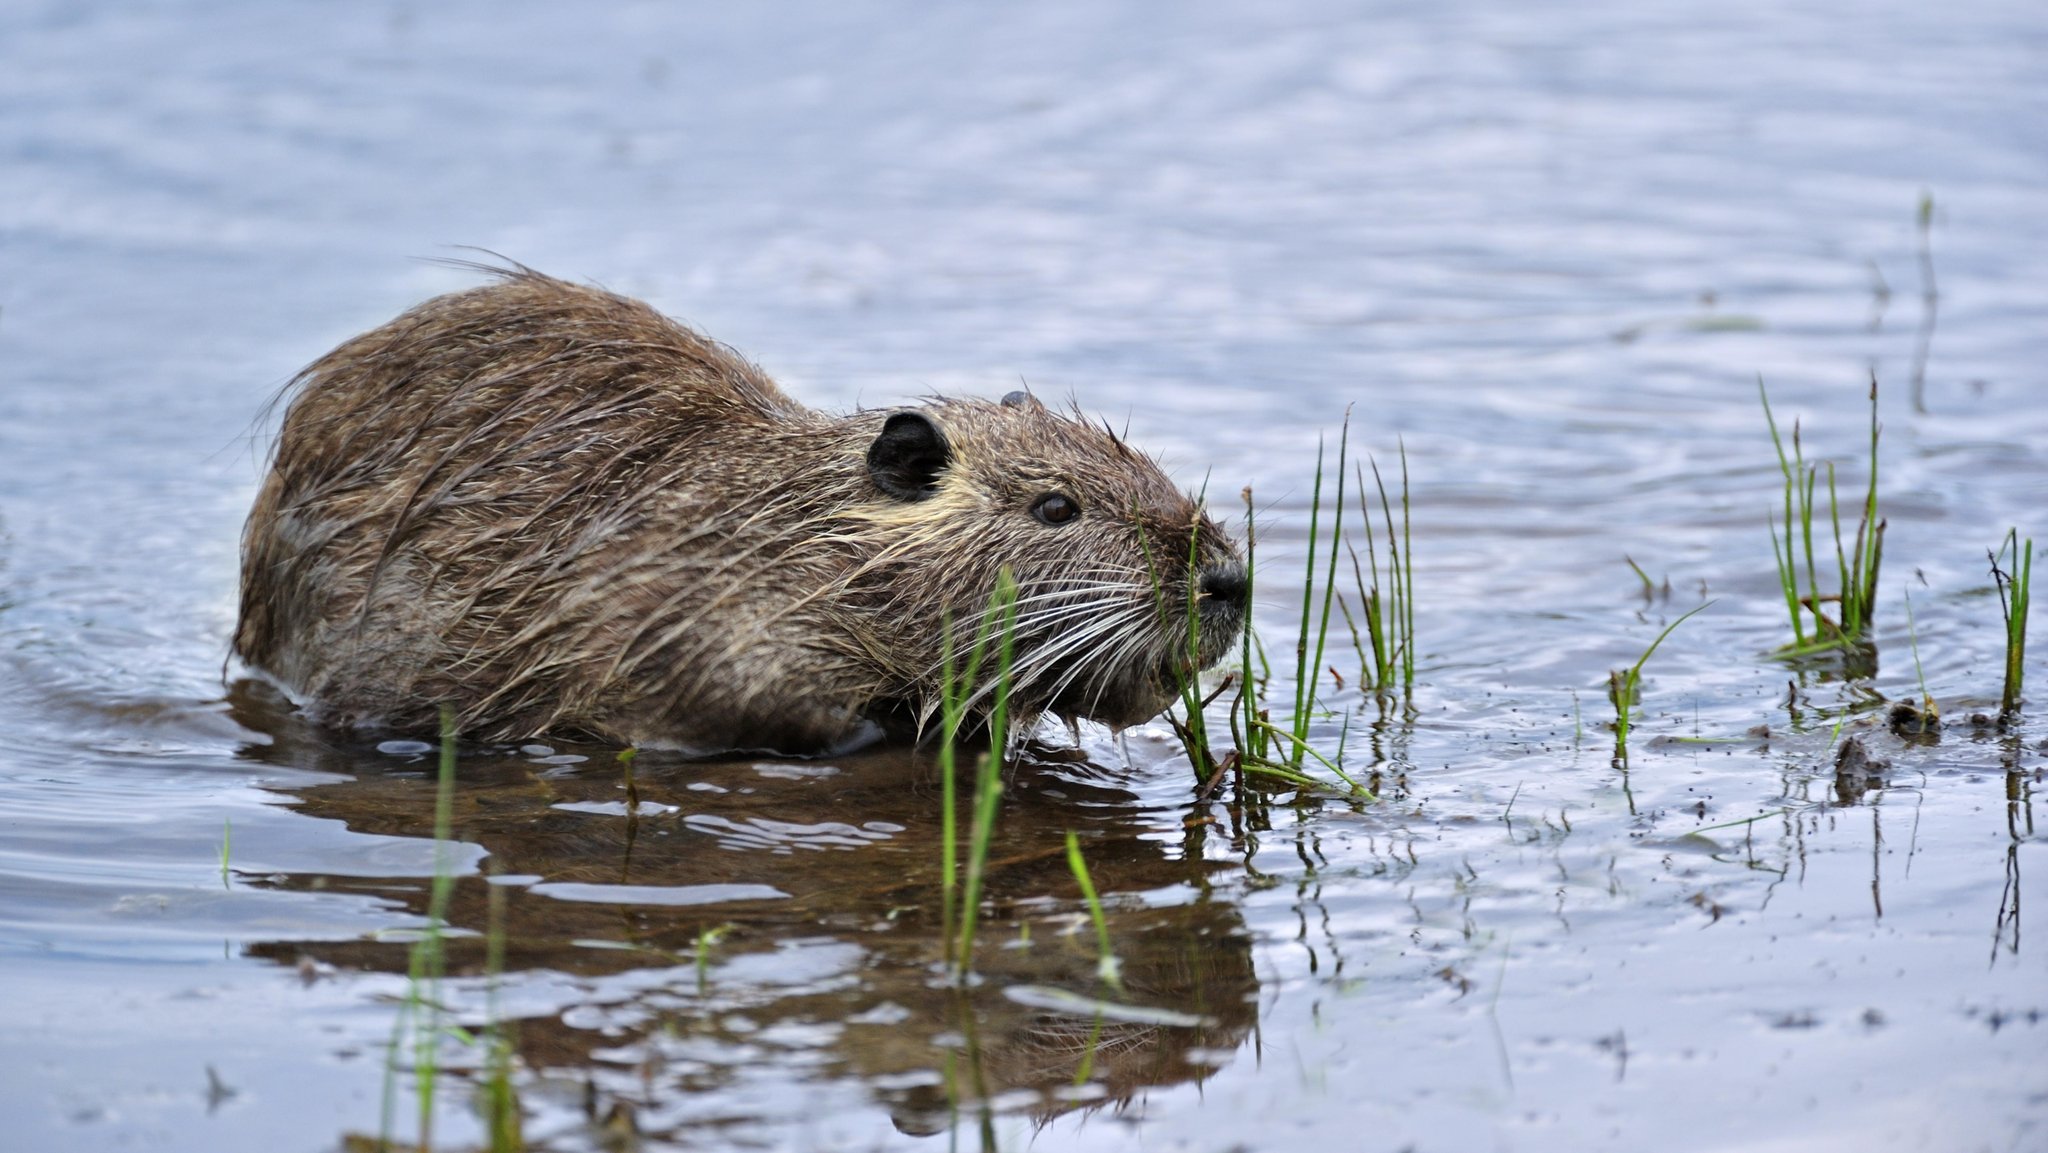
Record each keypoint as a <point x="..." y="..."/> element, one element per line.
<point x="1551" y="253"/>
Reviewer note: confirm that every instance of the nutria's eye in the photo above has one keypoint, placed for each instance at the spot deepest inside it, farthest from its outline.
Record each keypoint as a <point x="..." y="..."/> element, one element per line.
<point x="1053" y="508"/>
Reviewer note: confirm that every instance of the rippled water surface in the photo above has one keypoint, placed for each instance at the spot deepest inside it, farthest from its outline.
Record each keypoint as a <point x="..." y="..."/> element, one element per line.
<point x="1551" y="250"/>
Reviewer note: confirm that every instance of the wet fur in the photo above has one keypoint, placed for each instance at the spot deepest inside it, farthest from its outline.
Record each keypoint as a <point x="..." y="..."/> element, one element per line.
<point x="556" y="511"/>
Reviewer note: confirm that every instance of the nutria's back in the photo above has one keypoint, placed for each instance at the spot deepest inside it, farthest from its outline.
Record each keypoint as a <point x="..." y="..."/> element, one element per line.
<point x="555" y="510"/>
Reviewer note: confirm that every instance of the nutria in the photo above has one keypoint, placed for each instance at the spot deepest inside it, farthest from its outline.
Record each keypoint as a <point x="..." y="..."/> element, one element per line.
<point x="554" y="510"/>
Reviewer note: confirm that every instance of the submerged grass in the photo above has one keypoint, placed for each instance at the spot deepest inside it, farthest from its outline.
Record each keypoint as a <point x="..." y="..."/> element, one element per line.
<point x="1652" y="591"/>
<point x="2014" y="599"/>
<point x="626" y="759"/>
<point x="1930" y="299"/>
<point x="1624" y="686"/>
<point x="1928" y="708"/>
<point x="420" y="1026"/>
<point x="423" y="1024"/>
<point x="504" y="1120"/>
<point x="1855" y="598"/>
<point x="1107" y="966"/>
<point x="706" y="940"/>
<point x="998" y="631"/>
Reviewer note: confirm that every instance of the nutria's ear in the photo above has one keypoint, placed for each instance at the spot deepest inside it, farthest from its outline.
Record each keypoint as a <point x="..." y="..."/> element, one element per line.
<point x="908" y="457"/>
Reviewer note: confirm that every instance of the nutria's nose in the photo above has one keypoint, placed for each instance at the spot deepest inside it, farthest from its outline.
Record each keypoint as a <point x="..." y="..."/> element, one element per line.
<point x="1225" y="584"/>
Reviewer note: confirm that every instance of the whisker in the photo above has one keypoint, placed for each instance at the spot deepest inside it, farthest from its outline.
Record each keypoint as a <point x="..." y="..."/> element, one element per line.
<point x="1030" y="627"/>
<point x="1102" y="667"/>
<point x="1082" y="640"/>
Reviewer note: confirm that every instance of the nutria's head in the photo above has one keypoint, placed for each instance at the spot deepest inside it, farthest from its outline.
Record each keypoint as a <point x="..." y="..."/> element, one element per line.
<point x="1124" y="587"/>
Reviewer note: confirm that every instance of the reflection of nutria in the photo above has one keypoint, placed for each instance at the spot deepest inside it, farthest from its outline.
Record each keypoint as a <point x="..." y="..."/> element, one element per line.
<point x="554" y="509"/>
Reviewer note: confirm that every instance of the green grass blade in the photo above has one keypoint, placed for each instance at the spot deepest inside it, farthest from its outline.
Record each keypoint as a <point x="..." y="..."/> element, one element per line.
<point x="1304" y="686"/>
<point x="988" y="785"/>
<point x="1405" y="568"/>
<point x="1329" y="576"/>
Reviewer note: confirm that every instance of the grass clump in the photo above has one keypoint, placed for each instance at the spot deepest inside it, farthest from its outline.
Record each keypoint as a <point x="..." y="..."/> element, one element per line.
<point x="1389" y="611"/>
<point x="1813" y="630"/>
<point x="1282" y="751"/>
<point x="1386" y="650"/>
<point x="2014" y="599"/>
<point x="1308" y="674"/>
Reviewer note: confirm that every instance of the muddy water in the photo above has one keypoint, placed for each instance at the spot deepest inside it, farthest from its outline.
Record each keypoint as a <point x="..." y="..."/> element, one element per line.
<point x="1551" y="253"/>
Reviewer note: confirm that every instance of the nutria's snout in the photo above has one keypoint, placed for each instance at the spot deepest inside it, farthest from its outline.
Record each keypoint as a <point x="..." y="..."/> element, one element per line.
<point x="1224" y="587"/>
<point x="1222" y="609"/>
<point x="1197" y="619"/>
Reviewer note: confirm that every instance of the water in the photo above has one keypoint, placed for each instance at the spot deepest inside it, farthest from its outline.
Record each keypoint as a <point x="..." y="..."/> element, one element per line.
<point x="1551" y="252"/>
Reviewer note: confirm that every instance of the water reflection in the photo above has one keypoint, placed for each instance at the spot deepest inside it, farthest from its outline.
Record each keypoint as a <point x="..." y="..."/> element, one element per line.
<point x="812" y="887"/>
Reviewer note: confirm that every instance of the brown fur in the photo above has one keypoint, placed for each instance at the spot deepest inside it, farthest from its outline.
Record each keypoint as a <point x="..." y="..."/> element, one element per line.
<point x="557" y="511"/>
